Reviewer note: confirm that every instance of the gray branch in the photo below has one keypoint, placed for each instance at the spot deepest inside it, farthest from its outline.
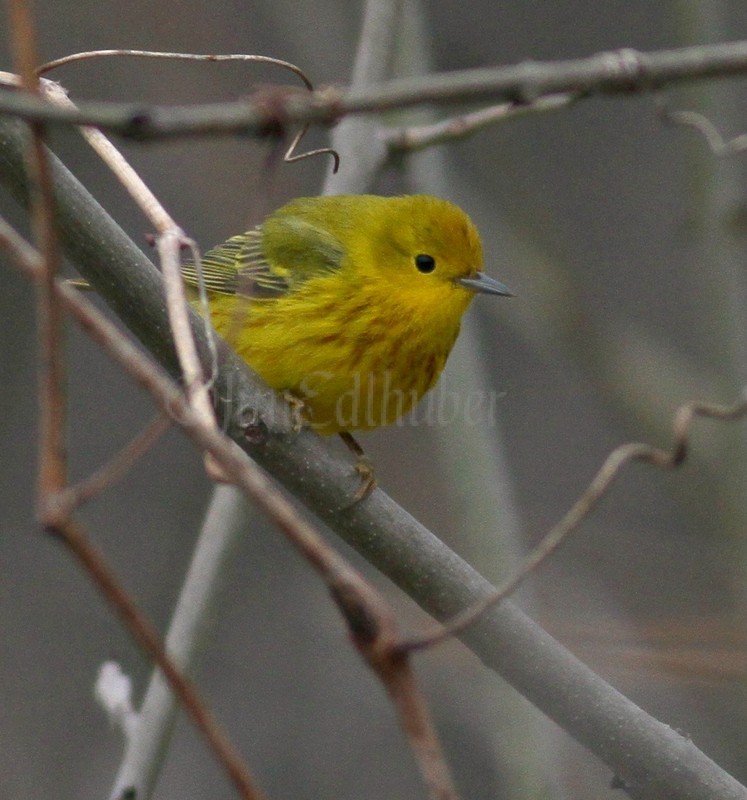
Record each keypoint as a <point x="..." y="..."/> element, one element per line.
<point x="270" y="112"/>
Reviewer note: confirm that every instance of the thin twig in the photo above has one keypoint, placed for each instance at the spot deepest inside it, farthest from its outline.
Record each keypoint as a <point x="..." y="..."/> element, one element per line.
<point x="157" y="54"/>
<point x="580" y="510"/>
<point x="719" y="146"/>
<point x="169" y="243"/>
<point x="418" y="137"/>
<point x="399" y="680"/>
<point x="117" y="467"/>
<point x="291" y="156"/>
<point x="136" y="187"/>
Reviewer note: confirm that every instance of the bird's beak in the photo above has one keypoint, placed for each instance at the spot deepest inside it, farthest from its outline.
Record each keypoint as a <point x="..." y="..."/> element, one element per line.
<point x="480" y="282"/>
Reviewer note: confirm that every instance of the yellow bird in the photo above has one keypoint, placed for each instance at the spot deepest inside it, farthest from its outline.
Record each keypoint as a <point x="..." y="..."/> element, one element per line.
<point x="351" y="303"/>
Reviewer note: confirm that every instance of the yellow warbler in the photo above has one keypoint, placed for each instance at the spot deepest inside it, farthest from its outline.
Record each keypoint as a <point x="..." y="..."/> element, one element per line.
<point x="351" y="303"/>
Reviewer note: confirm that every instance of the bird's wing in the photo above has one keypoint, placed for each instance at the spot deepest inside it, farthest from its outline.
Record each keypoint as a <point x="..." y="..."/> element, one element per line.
<point x="269" y="260"/>
<point x="300" y="249"/>
<point x="238" y="266"/>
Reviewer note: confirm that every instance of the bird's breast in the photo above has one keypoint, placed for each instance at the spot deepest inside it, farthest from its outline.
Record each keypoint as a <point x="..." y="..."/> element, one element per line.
<point x="357" y="364"/>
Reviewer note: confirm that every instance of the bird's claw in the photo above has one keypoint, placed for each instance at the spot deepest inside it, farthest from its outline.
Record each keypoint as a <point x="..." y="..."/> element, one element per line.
<point x="365" y="469"/>
<point x="298" y="410"/>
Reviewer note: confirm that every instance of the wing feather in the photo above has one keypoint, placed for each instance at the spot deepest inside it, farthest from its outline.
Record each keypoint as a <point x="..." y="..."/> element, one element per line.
<point x="238" y="266"/>
<point x="270" y="260"/>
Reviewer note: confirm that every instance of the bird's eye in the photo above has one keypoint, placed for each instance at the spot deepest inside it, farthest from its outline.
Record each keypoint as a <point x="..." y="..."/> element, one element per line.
<point x="425" y="263"/>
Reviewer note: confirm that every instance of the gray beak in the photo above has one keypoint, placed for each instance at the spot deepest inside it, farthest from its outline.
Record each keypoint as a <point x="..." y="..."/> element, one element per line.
<point x="480" y="282"/>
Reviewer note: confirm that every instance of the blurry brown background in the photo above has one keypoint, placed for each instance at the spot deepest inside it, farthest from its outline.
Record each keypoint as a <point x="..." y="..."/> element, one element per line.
<point x="621" y="238"/>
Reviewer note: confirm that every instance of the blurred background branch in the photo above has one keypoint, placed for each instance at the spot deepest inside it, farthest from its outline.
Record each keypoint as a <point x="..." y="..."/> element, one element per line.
<point x="626" y="70"/>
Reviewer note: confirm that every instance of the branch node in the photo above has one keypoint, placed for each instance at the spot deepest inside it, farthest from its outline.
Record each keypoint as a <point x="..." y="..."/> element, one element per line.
<point x="272" y="104"/>
<point x="252" y="426"/>
<point x="626" y="64"/>
<point x="330" y="100"/>
<point x="139" y="125"/>
<point x="53" y="511"/>
<point x="365" y="626"/>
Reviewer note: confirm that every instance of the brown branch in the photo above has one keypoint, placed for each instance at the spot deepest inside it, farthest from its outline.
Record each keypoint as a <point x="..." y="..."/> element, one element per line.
<point x="586" y="503"/>
<point x="73" y="535"/>
<point x="52" y="398"/>
<point x="116" y="468"/>
<point x="397" y="676"/>
<point x="373" y="631"/>
<point x="52" y="451"/>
